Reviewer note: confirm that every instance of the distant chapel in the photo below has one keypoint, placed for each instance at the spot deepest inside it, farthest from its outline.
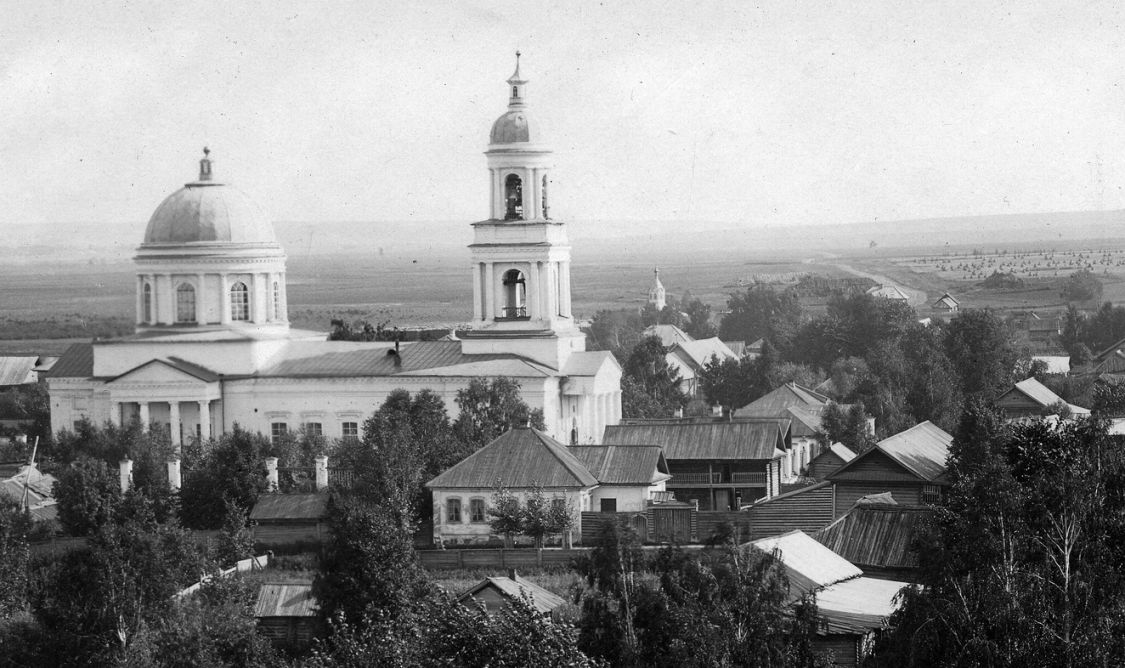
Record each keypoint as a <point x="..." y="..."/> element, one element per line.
<point x="213" y="347"/>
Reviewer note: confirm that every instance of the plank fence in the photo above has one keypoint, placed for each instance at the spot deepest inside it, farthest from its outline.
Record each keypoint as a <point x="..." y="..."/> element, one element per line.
<point x="498" y="558"/>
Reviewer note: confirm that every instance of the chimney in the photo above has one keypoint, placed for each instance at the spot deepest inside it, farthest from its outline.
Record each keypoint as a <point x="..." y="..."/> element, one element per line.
<point x="512" y="574"/>
<point x="126" y="474"/>
<point x="174" y="479"/>
<point x="321" y="473"/>
<point x="271" y="473"/>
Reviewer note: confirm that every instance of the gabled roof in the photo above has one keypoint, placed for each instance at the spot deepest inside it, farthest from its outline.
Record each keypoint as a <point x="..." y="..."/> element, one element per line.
<point x="887" y="292"/>
<point x="922" y="450"/>
<point x="588" y="363"/>
<point x="858" y="606"/>
<point x="514" y="587"/>
<point x="699" y="352"/>
<point x="623" y="464"/>
<point x="758" y="439"/>
<point x="17" y="370"/>
<point x="327" y="359"/>
<point x="669" y="335"/>
<point x="1055" y="363"/>
<point x="290" y="507"/>
<point x="76" y="362"/>
<point x="781" y="398"/>
<point x="839" y="449"/>
<point x="806" y="422"/>
<point x="1041" y="394"/>
<point x="946" y="300"/>
<point x="875" y="535"/>
<point x="519" y="458"/>
<point x="809" y="565"/>
<point x="285" y="600"/>
<point x="39" y="486"/>
<point x="183" y="366"/>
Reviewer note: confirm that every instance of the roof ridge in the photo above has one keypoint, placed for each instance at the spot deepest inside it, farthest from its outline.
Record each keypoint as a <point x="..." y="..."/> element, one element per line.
<point x="562" y="454"/>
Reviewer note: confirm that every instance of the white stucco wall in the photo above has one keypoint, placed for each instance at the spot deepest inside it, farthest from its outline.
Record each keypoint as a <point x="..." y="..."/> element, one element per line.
<point x="466" y="531"/>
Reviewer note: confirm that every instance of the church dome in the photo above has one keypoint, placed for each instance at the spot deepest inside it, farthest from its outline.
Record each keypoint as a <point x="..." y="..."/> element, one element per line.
<point x="209" y="211"/>
<point x="513" y="127"/>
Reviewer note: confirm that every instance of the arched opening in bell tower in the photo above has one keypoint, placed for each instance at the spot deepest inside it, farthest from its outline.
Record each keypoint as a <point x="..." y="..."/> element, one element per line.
<point x="513" y="198"/>
<point x="515" y="295"/>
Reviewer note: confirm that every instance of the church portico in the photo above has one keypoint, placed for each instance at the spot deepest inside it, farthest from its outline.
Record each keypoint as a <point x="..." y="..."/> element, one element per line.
<point x="181" y="419"/>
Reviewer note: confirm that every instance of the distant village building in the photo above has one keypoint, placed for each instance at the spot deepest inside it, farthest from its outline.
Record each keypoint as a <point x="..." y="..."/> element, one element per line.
<point x="657" y="297"/>
<point x="213" y="346"/>
<point x="689" y="356"/>
<point x="946" y="304"/>
<point x="1029" y="398"/>
<point x="888" y="292"/>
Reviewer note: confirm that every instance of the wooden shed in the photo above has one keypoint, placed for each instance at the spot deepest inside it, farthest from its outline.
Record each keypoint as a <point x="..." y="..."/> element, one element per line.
<point x="877" y="537"/>
<point x="283" y="519"/>
<point x="494" y="593"/>
<point x="286" y="614"/>
<point x="808" y="509"/>
<point x="835" y="456"/>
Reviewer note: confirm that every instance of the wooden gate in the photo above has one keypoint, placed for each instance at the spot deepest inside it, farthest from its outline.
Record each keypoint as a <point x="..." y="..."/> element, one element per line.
<point x="672" y="523"/>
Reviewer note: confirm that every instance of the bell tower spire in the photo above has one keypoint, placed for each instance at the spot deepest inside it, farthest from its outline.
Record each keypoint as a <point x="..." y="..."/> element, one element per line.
<point x="520" y="256"/>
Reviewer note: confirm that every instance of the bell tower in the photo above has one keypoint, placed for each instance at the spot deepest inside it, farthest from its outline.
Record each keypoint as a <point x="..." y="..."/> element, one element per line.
<point x="520" y="255"/>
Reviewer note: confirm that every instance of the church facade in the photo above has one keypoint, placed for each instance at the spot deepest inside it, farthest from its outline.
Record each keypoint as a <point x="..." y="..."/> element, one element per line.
<point x="213" y="347"/>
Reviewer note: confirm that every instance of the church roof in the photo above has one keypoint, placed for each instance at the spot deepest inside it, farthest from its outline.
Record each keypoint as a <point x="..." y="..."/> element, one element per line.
<point x="518" y="458"/>
<point x="327" y="359"/>
<point x="76" y="362"/>
<point x="209" y="211"/>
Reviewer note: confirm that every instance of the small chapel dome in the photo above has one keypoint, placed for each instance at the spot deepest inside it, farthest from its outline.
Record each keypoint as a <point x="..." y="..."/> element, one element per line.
<point x="209" y="211"/>
<point x="514" y="126"/>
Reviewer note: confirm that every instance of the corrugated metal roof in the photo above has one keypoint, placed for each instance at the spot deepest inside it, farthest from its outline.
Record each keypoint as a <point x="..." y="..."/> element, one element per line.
<point x="543" y="600"/>
<point x="323" y="359"/>
<point x="519" y="458"/>
<point x="623" y="464"/>
<point x="875" y="535"/>
<point x="713" y="440"/>
<point x="923" y="450"/>
<point x="699" y="352"/>
<point x="1037" y="392"/>
<point x="669" y="335"/>
<point x="290" y="507"/>
<point x="809" y="565"/>
<point x="858" y="606"/>
<point x="780" y="399"/>
<point x="17" y="370"/>
<point x="285" y="600"/>
<point x="76" y="362"/>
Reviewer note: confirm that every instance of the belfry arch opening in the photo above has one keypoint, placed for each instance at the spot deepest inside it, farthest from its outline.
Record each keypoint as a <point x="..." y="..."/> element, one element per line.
<point x="513" y="198"/>
<point x="515" y="295"/>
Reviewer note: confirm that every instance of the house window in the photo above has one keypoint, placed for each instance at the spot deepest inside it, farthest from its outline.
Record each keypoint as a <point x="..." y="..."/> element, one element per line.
<point x="558" y="505"/>
<point x="147" y="295"/>
<point x="515" y="294"/>
<point x="185" y="303"/>
<point x="314" y="429"/>
<point x="476" y="510"/>
<point x="278" y="430"/>
<point x="513" y="198"/>
<point x="239" y="302"/>
<point x="609" y="505"/>
<point x="351" y="430"/>
<point x="453" y="511"/>
<point x="276" y="300"/>
<point x="931" y="493"/>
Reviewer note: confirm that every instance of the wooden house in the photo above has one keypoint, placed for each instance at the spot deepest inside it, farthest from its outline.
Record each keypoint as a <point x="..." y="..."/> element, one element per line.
<point x="808" y="509"/>
<point x="853" y="609"/>
<point x="720" y="465"/>
<point x="629" y="476"/>
<point x="801" y="405"/>
<point x="833" y="457"/>
<point x="286" y="614"/>
<point x="877" y="538"/>
<point x="1030" y="398"/>
<point x="946" y="304"/>
<point x="492" y="594"/>
<point x="911" y="465"/>
<point x="287" y="519"/>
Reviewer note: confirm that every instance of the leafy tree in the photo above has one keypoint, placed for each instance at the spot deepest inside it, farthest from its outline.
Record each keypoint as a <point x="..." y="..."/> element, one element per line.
<point x="977" y="343"/>
<point x="15" y="527"/>
<point x="847" y="426"/>
<point x="231" y="469"/>
<point x="544" y="517"/>
<point x="506" y="514"/>
<point x="368" y="565"/>
<point x="761" y="312"/>
<point x="1082" y="286"/>
<point x="88" y="495"/>
<point x="650" y="375"/>
<point x="361" y="330"/>
<point x="490" y="408"/>
<point x="730" y="383"/>
<point x="698" y="325"/>
<point x="235" y="541"/>
<point x="615" y="331"/>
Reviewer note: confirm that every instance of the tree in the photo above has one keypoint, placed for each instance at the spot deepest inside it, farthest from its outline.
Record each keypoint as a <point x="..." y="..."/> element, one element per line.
<point x="615" y="331"/>
<point x="699" y="325"/>
<point x="650" y="375"/>
<point x="490" y="408"/>
<point x="235" y="541"/>
<point x="506" y="514"/>
<point x="368" y="565"/>
<point x="1082" y="286"/>
<point x="729" y="383"/>
<point x="15" y="526"/>
<point x="231" y="469"/>
<point x="847" y="426"/>
<point x="88" y="495"/>
<point x="544" y="517"/>
<point x="977" y="343"/>
<point x="761" y="312"/>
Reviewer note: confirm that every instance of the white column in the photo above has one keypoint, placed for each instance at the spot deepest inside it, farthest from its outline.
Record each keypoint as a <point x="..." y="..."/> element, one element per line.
<point x="201" y="299"/>
<point x="174" y="478"/>
<point x="497" y="195"/>
<point x="478" y="310"/>
<point x="252" y="311"/>
<point x="156" y="300"/>
<point x="284" y="315"/>
<point x="564" y="280"/>
<point x="271" y="473"/>
<point x="224" y="299"/>
<point x="533" y="293"/>
<point x="204" y="420"/>
<point x="270" y="315"/>
<point x="144" y="415"/>
<point x="126" y="474"/>
<point x="170" y="302"/>
<point x="489" y="288"/>
<point x="174" y="426"/>
<point x="321" y="473"/>
<point x="140" y="299"/>
<point x="533" y="196"/>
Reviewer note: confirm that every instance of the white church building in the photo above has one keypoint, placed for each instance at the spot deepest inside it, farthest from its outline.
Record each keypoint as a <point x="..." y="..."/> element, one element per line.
<point x="213" y="347"/>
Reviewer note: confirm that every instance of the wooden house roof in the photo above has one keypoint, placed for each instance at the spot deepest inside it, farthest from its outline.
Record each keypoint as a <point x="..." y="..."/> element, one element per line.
<point x="738" y="440"/>
<point x="285" y="600"/>
<point x="17" y="369"/>
<point x="521" y="457"/>
<point x="921" y="451"/>
<point x="875" y="535"/>
<point x="809" y="564"/>
<point x="290" y="507"/>
<point x="1038" y="394"/>
<point x="514" y="586"/>
<point x="623" y="464"/>
<point x="858" y="606"/>
<point x="781" y="398"/>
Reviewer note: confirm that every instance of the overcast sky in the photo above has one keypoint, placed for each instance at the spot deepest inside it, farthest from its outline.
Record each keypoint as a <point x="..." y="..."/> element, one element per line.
<point x="777" y="114"/>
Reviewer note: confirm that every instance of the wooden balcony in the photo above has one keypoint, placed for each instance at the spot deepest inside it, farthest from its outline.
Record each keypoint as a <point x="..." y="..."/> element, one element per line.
<point x="717" y="479"/>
